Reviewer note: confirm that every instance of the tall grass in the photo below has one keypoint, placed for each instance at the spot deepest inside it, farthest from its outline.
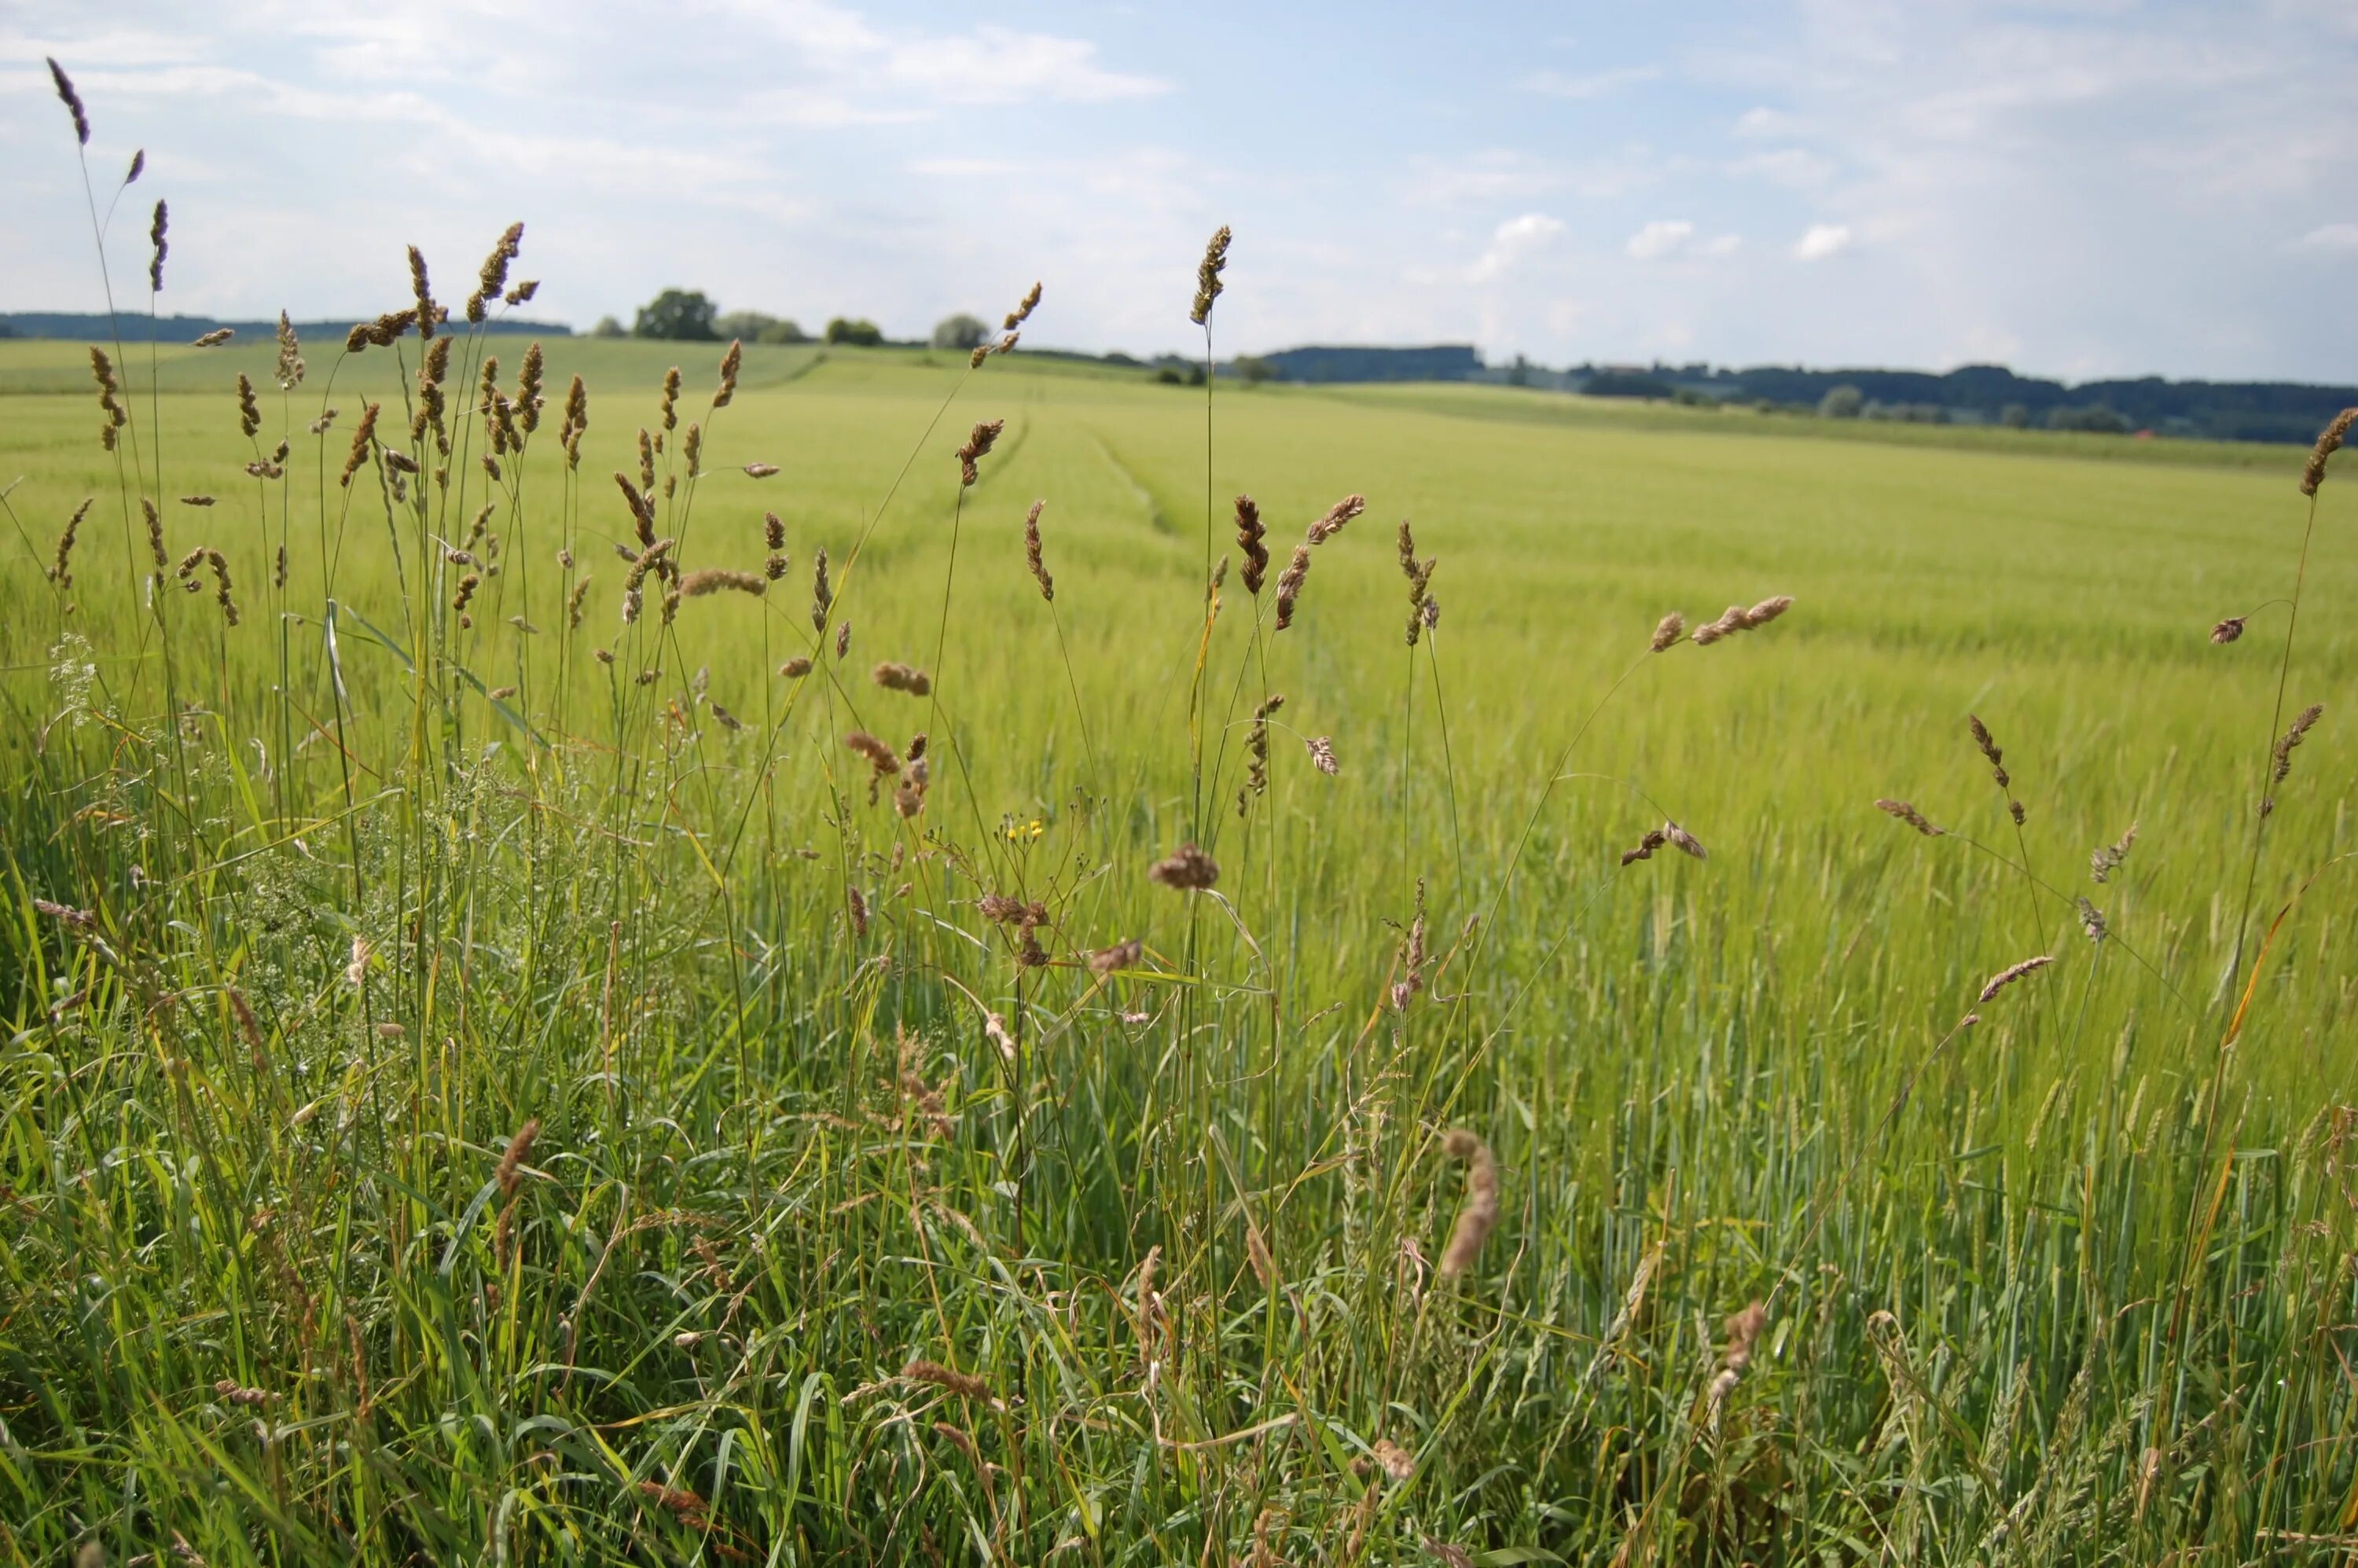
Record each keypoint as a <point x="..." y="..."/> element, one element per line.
<point x="483" y="1086"/>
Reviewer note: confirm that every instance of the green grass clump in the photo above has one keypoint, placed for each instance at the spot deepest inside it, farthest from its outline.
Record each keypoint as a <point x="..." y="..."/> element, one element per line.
<point x="482" y="1086"/>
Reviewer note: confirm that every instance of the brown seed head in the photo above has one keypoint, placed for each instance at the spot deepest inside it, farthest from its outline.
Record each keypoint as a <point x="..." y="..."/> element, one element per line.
<point x="978" y="446"/>
<point x="1342" y="512"/>
<point x="1252" y="540"/>
<point x="895" y="677"/>
<point x="716" y="579"/>
<point x="1032" y="552"/>
<point x="1023" y="312"/>
<point x="1121" y="955"/>
<point x="2014" y="972"/>
<point x="2328" y="441"/>
<point x="957" y="1382"/>
<point x="1479" y="1215"/>
<point x="1289" y="585"/>
<point x="1910" y="816"/>
<point x="519" y="1150"/>
<point x="2227" y="630"/>
<point x="1671" y="628"/>
<point x="1208" y="275"/>
<point x="1185" y="868"/>
<point x="731" y="362"/>
<point x="214" y="339"/>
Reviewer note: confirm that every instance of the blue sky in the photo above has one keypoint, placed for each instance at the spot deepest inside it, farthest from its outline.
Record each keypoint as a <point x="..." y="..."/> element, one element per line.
<point x="2078" y="188"/>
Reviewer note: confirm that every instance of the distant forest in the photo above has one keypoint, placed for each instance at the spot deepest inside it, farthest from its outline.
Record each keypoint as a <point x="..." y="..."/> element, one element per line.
<point x="2235" y="411"/>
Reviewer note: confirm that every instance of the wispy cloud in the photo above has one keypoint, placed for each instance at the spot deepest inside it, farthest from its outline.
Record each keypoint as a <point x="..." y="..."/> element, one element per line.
<point x="2333" y="239"/>
<point x="1821" y="241"/>
<point x="1513" y="243"/>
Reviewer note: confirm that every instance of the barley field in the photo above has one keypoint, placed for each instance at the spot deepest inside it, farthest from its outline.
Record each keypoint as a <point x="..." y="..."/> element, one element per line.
<point x="545" y="1025"/>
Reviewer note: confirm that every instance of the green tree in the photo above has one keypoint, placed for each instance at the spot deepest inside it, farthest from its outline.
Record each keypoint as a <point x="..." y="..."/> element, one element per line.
<point x="746" y="326"/>
<point x="1254" y="369"/>
<point x="2015" y="417"/>
<point x="607" y="327"/>
<point x="861" y="334"/>
<point x="677" y="315"/>
<point x="782" y="332"/>
<point x="961" y="331"/>
<point x="1842" y="403"/>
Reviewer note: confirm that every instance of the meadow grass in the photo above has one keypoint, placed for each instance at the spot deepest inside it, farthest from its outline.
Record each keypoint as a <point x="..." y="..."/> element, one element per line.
<point x="467" y="1102"/>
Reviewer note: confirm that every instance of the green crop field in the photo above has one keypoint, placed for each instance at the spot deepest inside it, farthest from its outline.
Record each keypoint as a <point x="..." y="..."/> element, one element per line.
<point x="486" y="1088"/>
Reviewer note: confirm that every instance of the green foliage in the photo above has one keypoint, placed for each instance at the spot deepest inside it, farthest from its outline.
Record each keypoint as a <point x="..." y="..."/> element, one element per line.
<point x="1842" y="403"/>
<point x="861" y="334"/>
<point x="1252" y="370"/>
<point x="607" y="327"/>
<point x="676" y="315"/>
<point x="961" y="331"/>
<point x="757" y="327"/>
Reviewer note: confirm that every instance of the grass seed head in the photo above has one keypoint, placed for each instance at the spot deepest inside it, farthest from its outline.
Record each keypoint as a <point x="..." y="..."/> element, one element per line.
<point x="2012" y="973"/>
<point x="1910" y="816"/>
<point x="1479" y="1215"/>
<point x="894" y="677"/>
<point x="978" y="446"/>
<point x="718" y="580"/>
<point x="2328" y="441"/>
<point x="2227" y="630"/>
<point x="71" y="100"/>
<point x="1185" y="868"/>
<point x="1207" y="275"/>
<point x="1032" y="552"/>
<point x="1667" y="633"/>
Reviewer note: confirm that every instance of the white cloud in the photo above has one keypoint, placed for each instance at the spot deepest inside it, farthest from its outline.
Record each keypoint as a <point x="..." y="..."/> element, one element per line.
<point x="1514" y="241"/>
<point x="1821" y="240"/>
<point x="1595" y="84"/>
<point x="1660" y="238"/>
<point x="2336" y="238"/>
<point x="1667" y="238"/>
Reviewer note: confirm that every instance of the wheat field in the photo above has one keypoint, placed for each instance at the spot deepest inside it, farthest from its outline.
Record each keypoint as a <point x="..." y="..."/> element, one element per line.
<point x="504" y="1070"/>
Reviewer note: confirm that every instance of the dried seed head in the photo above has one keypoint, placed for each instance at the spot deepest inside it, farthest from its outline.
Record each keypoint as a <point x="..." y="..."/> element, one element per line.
<point x="527" y="395"/>
<point x="2012" y="973"/>
<point x="1252" y="540"/>
<point x="978" y="446"/>
<point x="1121" y="955"/>
<point x="214" y="339"/>
<point x="1208" y="275"/>
<point x="289" y="369"/>
<point x="1644" y="848"/>
<point x="2092" y="920"/>
<point x="795" y="668"/>
<point x="895" y="677"/>
<point x="961" y="1383"/>
<point x="822" y="596"/>
<point x="715" y="579"/>
<point x="363" y="434"/>
<point x="1031" y="551"/>
<point x="1681" y="839"/>
<point x="731" y="362"/>
<point x="2104" y="861"/>
<point x="1186" y="868"/>
<point x="424" y="293"/>
<point x="1910" y="816"/>
<point x="248" y="412"/>
<point x="519" y="1150"/>
<point x="2227" y="630"/>
<point x="1479" y="1215"/>
<point x="1322" y="754"/>
<point x="843" y="640"/>
<point x="71" y="100"/>
<point x="2280" y="769"/>
<point x="156" y="239"/>
<point x="1289" y="585"/>
<point x="493" y="278"/>
<point x="2328" y="441"/>
<point x="1330" y="525"/>
<point x="1671" y="628"/>
<point x="1023" y="312"/>
<point x="62" y="573"/>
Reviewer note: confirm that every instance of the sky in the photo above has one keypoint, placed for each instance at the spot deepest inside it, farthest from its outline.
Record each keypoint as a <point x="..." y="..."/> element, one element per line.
<point x="2074" y="188"/>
